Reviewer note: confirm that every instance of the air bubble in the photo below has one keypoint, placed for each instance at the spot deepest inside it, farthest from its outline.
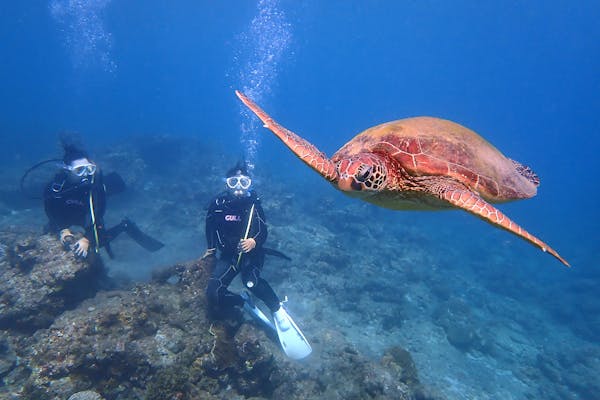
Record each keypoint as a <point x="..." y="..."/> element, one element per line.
<point x="86" y="39"/>
<point x="262" y="47"/>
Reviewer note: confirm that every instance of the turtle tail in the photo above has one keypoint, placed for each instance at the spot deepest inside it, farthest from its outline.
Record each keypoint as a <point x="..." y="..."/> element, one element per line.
<point x="526" y="172"/>
<point x="303" y="149"/>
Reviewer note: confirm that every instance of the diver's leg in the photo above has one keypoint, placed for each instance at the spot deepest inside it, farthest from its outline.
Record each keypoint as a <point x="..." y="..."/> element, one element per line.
<point x="108" y="235"/>
<point x="217" y="293"/>
<point x="257" y="285"/>
<point x="141" y="238"/>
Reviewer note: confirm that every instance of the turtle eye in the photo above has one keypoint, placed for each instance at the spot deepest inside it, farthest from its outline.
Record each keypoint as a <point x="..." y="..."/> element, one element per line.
<point x="362" y="173"/>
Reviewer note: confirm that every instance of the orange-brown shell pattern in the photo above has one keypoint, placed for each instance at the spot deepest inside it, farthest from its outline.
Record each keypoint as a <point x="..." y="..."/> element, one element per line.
<point x="427" y="146"/>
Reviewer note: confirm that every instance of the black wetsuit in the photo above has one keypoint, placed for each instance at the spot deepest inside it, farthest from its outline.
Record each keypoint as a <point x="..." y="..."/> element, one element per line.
<point x="68" y="204"/>
<point x="226" y="223"/>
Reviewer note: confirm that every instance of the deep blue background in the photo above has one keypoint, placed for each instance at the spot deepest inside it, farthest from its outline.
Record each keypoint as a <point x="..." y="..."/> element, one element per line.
<point x="525" y="75"/>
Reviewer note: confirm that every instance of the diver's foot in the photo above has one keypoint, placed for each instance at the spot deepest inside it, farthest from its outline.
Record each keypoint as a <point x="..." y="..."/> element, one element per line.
<point x="247" y="298"/>
<point x="281" y="319"/>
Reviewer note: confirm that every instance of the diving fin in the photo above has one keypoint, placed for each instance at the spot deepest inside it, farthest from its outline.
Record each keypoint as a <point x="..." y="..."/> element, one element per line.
<point x="277" y="253"/>
<point x="147" y="242"/>
<point x="256" y="312"/>
<point x="292" y="340"/>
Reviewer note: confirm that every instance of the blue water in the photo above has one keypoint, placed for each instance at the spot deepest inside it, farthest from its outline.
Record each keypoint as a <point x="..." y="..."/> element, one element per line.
<point x="525" y="75"/>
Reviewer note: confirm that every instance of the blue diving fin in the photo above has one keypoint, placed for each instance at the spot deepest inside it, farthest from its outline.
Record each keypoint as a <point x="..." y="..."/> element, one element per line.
<point x="256" y="312"/>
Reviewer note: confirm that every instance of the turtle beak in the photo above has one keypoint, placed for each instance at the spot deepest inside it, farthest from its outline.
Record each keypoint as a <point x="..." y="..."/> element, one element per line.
<point x="350" y="173"/>
<point x="345" y="184"/>
<point x="349" y="184"/>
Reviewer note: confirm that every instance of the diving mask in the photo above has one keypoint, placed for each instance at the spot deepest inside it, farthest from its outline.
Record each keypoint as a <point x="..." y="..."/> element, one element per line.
<point x="239" y="182"/>
<point x="82" y="169"/>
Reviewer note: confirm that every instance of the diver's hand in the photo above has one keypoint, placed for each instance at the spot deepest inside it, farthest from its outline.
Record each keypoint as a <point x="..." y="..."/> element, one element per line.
<point x="209" y="253"/>
<point x="247" y="245"/>
<point x="81" y="247"/>
<point x="66" y="237"/>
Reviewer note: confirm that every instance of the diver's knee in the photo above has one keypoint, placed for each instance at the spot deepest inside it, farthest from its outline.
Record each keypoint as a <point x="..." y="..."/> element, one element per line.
<point x="251" y="279"/>
<point x="212" y="291"/>
<point x="257" y="287"/>
<point x="250" y="283"/>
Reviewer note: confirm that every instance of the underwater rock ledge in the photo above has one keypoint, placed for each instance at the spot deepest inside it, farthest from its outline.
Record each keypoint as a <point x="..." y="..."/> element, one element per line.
<point x="38" y="281"/>
<point x="155" y="341"/>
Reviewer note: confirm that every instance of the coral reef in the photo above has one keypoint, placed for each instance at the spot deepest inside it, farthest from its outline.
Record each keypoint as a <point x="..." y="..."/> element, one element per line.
<point x="38" y="280"/>
<point x="461" y="326"/>
<point x="379" y="294"/>
<point x="155" y="341"/>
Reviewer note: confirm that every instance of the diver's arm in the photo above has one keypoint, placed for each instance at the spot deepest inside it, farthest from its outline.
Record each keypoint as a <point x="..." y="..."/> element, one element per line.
<point x="258" y="230"/>
<point x="89" y="229"/>
<point x="100" y="194"/>
<point x="97" y="203"/>
<point x="54" y="208"/>
<point x="211" y="228"/>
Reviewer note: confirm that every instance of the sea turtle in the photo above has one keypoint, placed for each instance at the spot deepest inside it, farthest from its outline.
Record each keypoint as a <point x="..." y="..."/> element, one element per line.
<point x="421" y="163"/>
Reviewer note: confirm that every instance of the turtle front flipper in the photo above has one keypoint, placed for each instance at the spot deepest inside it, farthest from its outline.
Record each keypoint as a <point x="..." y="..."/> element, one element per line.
<point x="305" y="150"/>
<point x="474" y="204"/>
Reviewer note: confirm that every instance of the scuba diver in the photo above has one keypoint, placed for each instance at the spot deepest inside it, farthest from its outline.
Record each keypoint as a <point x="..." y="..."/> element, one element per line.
<point x="77" y="197"/>
<point x="235" y="225"/>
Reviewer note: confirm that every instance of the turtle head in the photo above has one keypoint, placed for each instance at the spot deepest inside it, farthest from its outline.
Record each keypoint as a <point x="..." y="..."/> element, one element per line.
<point x="362" y="173"/>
